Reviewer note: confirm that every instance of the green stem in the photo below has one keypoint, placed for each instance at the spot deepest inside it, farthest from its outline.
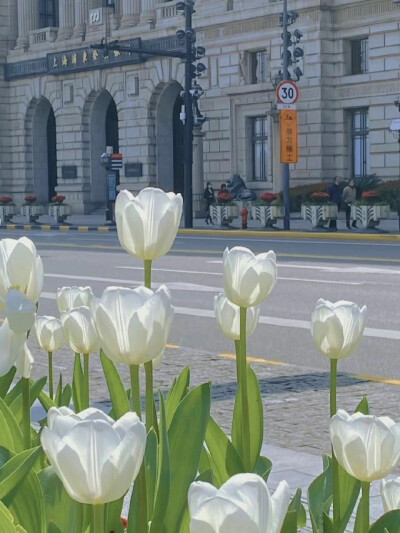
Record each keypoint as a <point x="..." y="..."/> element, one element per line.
<point x="243" y="388"/>
<point x="26" y="412"/>
<point x="237" y="351"/>
<point x="50" y="359"/>
<point x="147" y="273"/>
<point x="364" y="503"/>
<point x="148" y="367"/>
<point x="335" y="464"/>
<point x="98" y="519"/>
<point x="86" y="380"/>
<point x="135" y="389"/>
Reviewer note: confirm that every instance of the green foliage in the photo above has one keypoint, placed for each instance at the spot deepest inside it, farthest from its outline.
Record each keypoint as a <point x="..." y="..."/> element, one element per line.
<point x="115" y="386"/>
<point x="5" y="381"/>
<point x="388" y="192"/>
<point x="389" y="522"/>
<point x="7" y="524"/>
<point x="363" y="406"/>
<point x="295" y="516"/>
<point x="178" y="391"/>
<point x="320" y="498"/>
<point x="366" y="183"/>
<point x="78" y="385"/>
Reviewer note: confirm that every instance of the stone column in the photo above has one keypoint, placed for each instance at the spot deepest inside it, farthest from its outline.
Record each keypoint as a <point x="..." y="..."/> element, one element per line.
<point x="67" y="19"/>
<point x="148" y="14"/>
<point x="198" y="171"/>
<point x="28" y="20"/>
<point x="130" y="13"/>
<point x="81" y="9"/>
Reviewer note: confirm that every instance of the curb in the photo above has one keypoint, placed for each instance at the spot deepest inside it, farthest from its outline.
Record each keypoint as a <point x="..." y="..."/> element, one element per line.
<point x="381" y="237"/>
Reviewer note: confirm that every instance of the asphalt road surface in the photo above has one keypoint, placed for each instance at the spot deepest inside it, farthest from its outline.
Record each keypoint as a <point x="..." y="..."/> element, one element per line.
<point x="367" y="273"/>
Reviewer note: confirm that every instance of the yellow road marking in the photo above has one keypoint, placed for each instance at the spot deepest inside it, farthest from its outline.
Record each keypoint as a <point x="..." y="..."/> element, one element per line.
<point x="253" y="359"/>
<point x="83" y="228"/>
<point x="376" y="379"/>
<point x="172" y="346"/>
<point x="45" y="227"/>
<point x="64" y="228"/>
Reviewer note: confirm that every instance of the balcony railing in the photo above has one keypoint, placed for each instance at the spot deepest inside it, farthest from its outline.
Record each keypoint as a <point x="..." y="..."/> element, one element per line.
<point x="44" y="35"/>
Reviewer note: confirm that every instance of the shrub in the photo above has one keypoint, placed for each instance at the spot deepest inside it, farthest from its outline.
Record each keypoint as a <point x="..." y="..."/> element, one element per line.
<point x="4" y="200"/>
<point x="30" y="199"/>
<point x="389" y="192"/>
<point x="301" y="193"/>
<point x="58" y="199"/>
<point x="268" y="197"/>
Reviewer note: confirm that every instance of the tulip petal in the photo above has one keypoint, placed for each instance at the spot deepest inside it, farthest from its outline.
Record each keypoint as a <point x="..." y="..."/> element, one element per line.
<point x="12" y="346"/>
<point x="199" y="492"/>
<point x="24" y="362"/>
<point x="327" y="332"/>
<point x="279" y="506"/>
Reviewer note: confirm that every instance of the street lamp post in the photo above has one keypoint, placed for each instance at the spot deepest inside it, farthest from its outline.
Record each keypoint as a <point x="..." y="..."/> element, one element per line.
<point x="190" y="94"/>
<point x="286" y="172"/>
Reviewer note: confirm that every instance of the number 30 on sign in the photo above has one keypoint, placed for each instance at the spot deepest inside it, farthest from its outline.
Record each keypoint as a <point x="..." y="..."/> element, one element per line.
<point x="287" y="92"/>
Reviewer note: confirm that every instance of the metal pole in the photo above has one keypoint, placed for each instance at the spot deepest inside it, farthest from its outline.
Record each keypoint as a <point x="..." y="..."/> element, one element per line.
<point x="188" y="193"/>
<point x="286" y="174"/>
<point x="398" y="187"/>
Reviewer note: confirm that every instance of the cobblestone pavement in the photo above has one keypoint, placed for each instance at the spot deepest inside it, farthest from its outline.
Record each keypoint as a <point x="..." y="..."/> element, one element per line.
<point x="296" y="399"/>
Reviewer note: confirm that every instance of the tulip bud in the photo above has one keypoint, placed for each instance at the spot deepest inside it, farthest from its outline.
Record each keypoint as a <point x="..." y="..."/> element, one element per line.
<point x="133" y="324"/>
<point x="228" y="317"/>
<point x="243" y="503"/>
<point x="71" y="297"/>
<point x="49" y="333"/>
<point x="12" y="347"/>
<point x="96" y="458"/>
<point x="148" y="223"/>
<point x="20" y="268"/>
<point x="24" y="363"/>
<point x="366" y="446"/>
<point x="80" y="330"/>
<point x="248" y="278"/>
<point x="20" y="311"/>
<point x="337" y="328"/>
<point x="390" y="493"/>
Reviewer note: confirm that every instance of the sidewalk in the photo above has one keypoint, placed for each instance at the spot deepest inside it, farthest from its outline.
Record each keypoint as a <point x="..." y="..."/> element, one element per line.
<point x="387" y="229"/>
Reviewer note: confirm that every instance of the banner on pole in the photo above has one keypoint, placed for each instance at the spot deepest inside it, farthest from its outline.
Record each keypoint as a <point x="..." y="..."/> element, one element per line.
<point x="289" y="136"/>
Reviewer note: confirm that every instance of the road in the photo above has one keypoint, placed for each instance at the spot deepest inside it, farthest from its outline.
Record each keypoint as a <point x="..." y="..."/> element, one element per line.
<point x="367" y="273"/>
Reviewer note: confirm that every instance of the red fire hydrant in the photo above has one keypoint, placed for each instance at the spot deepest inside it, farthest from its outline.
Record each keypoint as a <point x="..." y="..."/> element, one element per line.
<point x="244" y="213"/>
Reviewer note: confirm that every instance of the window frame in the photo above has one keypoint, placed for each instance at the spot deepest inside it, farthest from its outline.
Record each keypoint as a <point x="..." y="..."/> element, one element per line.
<point x="359" y="56"/>
<point x="48" y="19"/>
<point x="254" y="62"/>
<point x="360" y="134"/>
<point x="263" y="140"/>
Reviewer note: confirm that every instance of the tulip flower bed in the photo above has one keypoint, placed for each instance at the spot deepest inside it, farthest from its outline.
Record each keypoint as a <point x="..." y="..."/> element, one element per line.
<point x="70" y="474"/>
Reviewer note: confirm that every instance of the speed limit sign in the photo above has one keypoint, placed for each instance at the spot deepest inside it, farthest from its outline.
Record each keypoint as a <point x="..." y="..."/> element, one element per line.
<point x="287" y="92"/>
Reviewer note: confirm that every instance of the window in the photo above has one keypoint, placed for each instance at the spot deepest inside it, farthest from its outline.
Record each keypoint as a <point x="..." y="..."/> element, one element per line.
<point x="258" y="66"/>
<point x="48" y="13"/>
<point x="360" y="142"/>
<point x="359" y="56"/>
<point x="260" y="147"/>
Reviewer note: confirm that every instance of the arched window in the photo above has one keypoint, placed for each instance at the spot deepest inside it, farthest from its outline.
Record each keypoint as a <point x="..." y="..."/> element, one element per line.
<point x="48" y="13"/>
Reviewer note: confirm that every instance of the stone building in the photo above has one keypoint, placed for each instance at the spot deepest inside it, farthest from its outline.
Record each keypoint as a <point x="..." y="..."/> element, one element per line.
<point x="62" y="102"/>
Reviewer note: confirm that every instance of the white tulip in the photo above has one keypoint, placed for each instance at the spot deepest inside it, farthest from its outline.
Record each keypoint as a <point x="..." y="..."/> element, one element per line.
<point x="20" y="268"/>
<point x="20" y="311"/>
<point x="337" y="328"/>
<point x="24" y="363"/>
<point x="148" y="223"/>
<point x="248" y="278"/>
<point x="390" y="493"/>
<point x="96" y="458"/>
<point x="242" y="504"/>
<point x="71" y="297"/>
<point x="80" y="330"/>
<point x="11" y="347"/>
<point x="366" y="446"/>
<point x="49" y="333"/>
<point x="228" y="317"/>
<point x="133" y="324"/>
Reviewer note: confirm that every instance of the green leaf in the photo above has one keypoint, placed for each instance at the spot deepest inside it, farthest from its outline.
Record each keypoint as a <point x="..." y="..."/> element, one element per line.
<point x="224" y="458"/>
<point x="295" y="516"/>
<point x="150" y="458"/>
<point x="78" y="385"/>
<point x="7" y="524"/>
<point x="263" y="467"/>
<point x="35" y="390"/>
<point x="164" y="474"/>
<point x="63" y="514"/>
<point x="348" y="494"/>
<point x="205" y="460"/>
<point x="113" y="512"/>
<point x="363" y="406"/>
<point x="16" y="469"/>
<point x="13" y="393"/>
<point x="177" y="392"/>
<point x="319" y="498"/>
<point x="256" y="420"/>
<point x="57" y="398"/>
<point x="66" y="396"/>
<point x="116" y="389"/>
<point x="186" y="437"/>
<point x="10" y="435"/>
<point x="5" y="381"/>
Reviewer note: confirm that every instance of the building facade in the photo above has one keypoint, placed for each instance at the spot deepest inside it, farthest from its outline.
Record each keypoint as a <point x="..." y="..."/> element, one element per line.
<point x="62" y="102"/>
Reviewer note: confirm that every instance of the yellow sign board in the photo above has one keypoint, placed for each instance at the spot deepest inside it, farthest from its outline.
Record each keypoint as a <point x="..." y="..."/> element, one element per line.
<point x="289" y="136"/>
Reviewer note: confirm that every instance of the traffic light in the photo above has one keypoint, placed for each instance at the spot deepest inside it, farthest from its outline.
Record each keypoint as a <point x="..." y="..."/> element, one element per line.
<point x="292" y="54"/>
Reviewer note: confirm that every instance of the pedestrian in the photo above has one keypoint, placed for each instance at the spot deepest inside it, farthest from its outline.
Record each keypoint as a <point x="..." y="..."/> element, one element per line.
<point x="224" y="196"/>
<point x="209" y="199"/>
<point x="335" y="195"/>
<point x="349" y="195"/>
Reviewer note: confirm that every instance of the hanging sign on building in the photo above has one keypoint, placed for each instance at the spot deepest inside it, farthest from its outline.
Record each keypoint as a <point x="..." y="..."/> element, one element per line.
<point x="289" y="136"/>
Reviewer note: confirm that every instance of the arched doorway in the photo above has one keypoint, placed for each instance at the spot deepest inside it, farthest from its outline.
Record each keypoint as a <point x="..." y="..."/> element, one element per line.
<point x="169" y="139"/>
<point x="44" y="151"/>
<point x="100" y="125"/>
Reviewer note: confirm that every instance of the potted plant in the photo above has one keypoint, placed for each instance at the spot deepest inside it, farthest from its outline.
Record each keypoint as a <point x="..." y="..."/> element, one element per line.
<point x="31" y="210"/>
<point x="268" y="209"/>
<point x="58" y="209"/>
<point x="7" y="209"/>
<point x="225" y="210"/>
<point x="369" y="211"/>
<point x="319" y="210"/>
